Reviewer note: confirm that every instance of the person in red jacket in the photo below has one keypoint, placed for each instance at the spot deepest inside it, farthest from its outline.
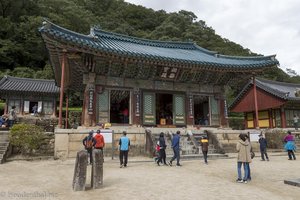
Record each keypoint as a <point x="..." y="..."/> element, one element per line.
<point x="100" y="143"/>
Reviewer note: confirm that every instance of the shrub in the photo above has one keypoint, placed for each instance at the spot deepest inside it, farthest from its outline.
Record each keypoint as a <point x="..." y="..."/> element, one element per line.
<point x="274" y="138"/>
<point x="236" y="123"/>
<point x="74" y="119"/>
<point x="26" y="137"/>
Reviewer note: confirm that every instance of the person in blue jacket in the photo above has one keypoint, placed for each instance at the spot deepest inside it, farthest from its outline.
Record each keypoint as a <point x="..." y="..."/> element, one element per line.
<point x="176" y="149"/>
<point x="124" y="144"/>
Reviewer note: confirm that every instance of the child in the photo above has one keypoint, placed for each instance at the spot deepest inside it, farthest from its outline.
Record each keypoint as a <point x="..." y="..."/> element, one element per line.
<point x="204" y="147"/>
<point x="157" y="148"/>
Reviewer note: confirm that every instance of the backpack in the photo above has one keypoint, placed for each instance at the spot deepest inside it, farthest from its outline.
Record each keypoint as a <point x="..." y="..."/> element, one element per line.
<point x="89" y="142"/>
<point x="99" y="141"/>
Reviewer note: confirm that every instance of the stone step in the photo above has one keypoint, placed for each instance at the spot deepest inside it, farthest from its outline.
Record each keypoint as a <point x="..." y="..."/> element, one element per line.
<point x="2" y="143"/>
<point x="199" y="156"/>
<point x="3" y="148"/>
<point x="2" y="151"/>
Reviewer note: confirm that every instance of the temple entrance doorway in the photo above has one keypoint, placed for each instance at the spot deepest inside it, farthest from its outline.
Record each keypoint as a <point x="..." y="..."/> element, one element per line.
<point x="201" y="110"/>
<point x="119" y="106"/>
<point x="164" y="109"/>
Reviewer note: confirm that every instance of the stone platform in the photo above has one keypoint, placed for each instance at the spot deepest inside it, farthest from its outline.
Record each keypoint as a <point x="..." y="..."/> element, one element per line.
<point x="294" y="182"/>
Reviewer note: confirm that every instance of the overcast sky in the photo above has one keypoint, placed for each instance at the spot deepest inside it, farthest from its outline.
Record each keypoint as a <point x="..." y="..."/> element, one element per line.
<point x="266" y="27"/>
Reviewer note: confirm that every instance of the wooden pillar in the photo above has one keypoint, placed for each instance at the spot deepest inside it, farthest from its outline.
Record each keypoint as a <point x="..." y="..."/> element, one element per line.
<point x="62" y="84"/>
<point x="54" y="108"/>
<point x="223" y="112"/>
<point x="67" y="107"/>
<point x="89" y="113"/>
<point x="270" y="119"/>
<point x="245" y="120"/>
<point x="282" y="116"/>
<point x="255" y="103"/>
<point x="5" y="106"/>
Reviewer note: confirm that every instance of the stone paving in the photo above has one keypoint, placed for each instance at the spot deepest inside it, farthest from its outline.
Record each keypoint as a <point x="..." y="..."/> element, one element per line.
<point x="142" y="179"/>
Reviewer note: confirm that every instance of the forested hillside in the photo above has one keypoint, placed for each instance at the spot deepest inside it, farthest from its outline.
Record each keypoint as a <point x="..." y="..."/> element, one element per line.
<point x="23" y="54"/>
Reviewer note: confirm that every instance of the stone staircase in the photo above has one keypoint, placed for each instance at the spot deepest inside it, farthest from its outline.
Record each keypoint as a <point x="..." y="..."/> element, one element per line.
<point x="189" y="143"/>
<point x="4" y="146"/>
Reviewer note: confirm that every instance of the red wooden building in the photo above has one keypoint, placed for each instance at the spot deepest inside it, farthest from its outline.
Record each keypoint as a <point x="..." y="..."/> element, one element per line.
<point x="277" y="103"/>
<point x="134" y="81"/>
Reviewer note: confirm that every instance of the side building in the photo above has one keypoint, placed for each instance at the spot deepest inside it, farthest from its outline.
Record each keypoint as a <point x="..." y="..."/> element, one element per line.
<point x="277" y="103"/>
<point x="25" y="93"/>
<point x="132" y="81"/>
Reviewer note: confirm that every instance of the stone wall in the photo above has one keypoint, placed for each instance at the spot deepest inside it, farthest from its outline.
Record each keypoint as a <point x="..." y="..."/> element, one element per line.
<point x="46" y="148"/>
<point x="69" y="141"/>
<point x="229" y="138"/>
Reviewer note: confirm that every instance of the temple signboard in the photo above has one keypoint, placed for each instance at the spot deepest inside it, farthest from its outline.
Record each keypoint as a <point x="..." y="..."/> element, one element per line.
<point x="91" y="100"/>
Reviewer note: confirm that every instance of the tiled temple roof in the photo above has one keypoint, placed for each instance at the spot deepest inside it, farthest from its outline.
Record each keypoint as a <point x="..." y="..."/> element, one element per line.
<point x="282" y="90"/>
<point x="9" y="84"/>
<point x="179" y="52"/>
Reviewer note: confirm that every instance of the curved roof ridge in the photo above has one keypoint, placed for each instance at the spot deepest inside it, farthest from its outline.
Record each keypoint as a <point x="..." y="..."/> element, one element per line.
<point x="50" y="25"/>
<point x="277" y="82"/>
<point x="27" y="79"/>
<point x="272" y="57"/>
<point x="168" y="44"/>
<point x="205" y="50"/>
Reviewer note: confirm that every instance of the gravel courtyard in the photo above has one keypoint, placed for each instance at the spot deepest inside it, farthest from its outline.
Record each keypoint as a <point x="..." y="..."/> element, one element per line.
<point x="142" y="180"/>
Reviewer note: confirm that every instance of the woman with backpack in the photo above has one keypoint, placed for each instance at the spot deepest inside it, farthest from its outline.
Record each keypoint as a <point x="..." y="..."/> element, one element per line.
<point x="89" y="142"/>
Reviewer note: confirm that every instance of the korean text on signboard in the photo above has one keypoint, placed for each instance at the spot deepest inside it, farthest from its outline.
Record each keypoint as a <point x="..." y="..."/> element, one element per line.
<point x="169" y="72"/>
<point x="137" y="104"/>
<point x="191" y="111"/>
<point x="91" y="101"/>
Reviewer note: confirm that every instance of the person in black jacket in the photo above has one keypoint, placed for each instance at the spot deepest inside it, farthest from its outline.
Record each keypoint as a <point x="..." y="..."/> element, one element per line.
<point x="162" y="149"/>
<point x="263" y="147"/>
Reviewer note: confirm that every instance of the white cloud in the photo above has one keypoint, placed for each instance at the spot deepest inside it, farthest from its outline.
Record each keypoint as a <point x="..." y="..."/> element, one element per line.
<point x="266" y="27"/>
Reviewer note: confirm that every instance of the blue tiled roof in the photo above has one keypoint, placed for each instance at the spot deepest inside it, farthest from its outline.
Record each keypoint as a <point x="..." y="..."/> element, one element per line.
<point x="26" y="85"/>
<point x="281" y="90"/>
<point x="182" y="52"/>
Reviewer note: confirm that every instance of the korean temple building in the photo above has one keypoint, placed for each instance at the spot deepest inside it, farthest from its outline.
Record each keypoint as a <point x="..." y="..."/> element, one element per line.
<point x="135" y="81"/>
<point x="277" y="103"/>
<point x="25" y="93"/>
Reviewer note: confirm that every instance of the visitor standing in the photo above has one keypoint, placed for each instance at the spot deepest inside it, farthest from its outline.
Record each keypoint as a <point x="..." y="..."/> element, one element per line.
<point x="124" y="144"/>
<point x="204" y="147"/>
<point x="296" y="120"/>
<point x="12" y="116"/>
<point x="100" y="143"/>
<point x="243" y="158"/>
<point x="176" y="149"/>
<point x="125" y="114"/>
<point x="162" y="149"/>
<point x="263" y="147"/>
<point x="88" y="143"/>
<point x="35" y="109"/>
<point x="290" y="145"/>
<point x="251" y="155"/>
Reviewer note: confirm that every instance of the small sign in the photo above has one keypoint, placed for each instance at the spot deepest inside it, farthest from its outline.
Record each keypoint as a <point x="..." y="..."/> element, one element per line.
<point x="169" y="72"/>
<point x="191" y="110"/>
<point x="91" y="101"/>
<point x="137" y="104"/>
<point x="225" y="109"/>
<point x="107" y="134"/>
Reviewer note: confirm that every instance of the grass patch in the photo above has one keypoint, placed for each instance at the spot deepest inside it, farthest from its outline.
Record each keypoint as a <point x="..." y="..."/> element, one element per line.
<point x="72" y="109"/>
<point x="2" y="104"/>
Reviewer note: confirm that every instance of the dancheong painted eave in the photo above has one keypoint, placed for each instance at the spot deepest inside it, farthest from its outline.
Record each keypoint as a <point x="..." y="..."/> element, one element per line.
<point x="175" y="52"/>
